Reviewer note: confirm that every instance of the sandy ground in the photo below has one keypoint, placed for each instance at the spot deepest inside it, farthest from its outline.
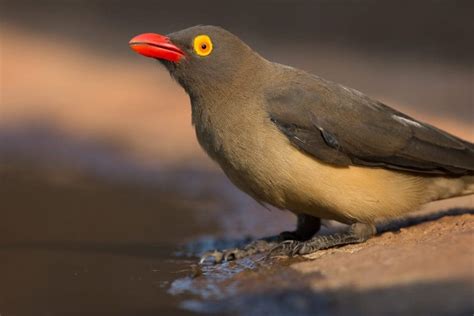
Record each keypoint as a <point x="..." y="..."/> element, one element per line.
<point x="434" y="260"/>
<point x="421" y="266"/>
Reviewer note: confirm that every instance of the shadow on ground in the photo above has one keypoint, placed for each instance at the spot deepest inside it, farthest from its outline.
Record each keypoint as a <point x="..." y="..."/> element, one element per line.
<point x="408" y="299"/>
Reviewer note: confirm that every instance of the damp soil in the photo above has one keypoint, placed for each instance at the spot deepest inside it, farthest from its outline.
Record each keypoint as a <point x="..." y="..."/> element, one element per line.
<point x="75" y="243"/>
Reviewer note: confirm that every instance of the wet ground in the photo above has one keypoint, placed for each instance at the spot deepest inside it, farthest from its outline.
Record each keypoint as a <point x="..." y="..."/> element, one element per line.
<point x="75" y="242"/>
<point x="85" y="247"/>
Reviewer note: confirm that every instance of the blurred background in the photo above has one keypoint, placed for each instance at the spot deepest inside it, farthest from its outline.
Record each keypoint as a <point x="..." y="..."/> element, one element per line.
<point x="101" y="177"/>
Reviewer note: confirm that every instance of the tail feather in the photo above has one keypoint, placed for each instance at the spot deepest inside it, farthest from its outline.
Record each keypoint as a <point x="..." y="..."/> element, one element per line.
<point x="468" y="185"/>
<point x="441" y="188"/>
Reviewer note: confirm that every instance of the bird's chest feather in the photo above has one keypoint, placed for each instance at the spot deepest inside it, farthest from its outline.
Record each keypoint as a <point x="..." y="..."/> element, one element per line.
<point x="240" y="140"/>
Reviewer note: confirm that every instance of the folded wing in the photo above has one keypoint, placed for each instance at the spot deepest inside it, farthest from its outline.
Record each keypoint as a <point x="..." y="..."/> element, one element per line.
<point x="341" y="126"/>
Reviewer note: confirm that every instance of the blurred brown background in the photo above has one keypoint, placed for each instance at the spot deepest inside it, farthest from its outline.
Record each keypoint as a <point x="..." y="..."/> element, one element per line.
<point x="98" y="158"/>
<point x="66" y="66"/>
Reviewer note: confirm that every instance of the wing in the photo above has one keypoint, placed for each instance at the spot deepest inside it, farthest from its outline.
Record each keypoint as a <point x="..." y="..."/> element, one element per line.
<point x="341" y="126"/>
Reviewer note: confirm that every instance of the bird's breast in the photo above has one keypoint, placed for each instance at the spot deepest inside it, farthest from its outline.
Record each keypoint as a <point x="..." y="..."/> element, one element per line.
<point x="249" y="149"/>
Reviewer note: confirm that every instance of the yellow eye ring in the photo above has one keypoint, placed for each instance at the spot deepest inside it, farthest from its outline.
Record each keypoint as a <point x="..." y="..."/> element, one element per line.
<point x="202" y="45"/>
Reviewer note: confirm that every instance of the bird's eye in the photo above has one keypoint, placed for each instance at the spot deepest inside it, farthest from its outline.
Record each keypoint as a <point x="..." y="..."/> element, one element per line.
<point x="202" y="45"/>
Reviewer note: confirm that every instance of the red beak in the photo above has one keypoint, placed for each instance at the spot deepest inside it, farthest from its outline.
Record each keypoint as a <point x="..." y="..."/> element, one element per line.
<point x="156" y="46"/>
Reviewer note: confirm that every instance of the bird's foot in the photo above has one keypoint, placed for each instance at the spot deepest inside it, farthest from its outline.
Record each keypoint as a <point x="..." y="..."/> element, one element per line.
<point x="255" y="247"/>
<point x="356" y="234"/>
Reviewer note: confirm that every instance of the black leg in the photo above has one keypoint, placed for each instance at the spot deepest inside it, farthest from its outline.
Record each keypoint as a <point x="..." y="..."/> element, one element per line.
<point x="307" y="227"/>
<point x="357" y="233"/>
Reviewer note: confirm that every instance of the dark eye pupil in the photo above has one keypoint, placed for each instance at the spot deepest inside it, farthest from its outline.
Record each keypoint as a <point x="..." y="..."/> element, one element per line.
<point x="203" y="46"/>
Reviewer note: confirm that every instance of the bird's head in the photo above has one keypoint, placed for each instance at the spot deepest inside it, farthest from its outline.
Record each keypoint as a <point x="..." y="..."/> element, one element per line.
<point x="199" y="57"/>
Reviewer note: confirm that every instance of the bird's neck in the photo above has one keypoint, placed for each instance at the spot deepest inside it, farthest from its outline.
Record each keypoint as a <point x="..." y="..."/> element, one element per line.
<point x="228" y="96"/>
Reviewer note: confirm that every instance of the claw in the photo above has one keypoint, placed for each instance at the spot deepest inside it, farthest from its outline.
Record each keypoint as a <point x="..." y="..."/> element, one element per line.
<point x="215" y="255"/>
<point x="296" y="249"/>
<point x="230" y="255"/>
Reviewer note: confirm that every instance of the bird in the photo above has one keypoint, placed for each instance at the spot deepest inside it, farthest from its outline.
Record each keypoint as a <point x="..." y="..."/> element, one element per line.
<point x="298" y="142"/>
